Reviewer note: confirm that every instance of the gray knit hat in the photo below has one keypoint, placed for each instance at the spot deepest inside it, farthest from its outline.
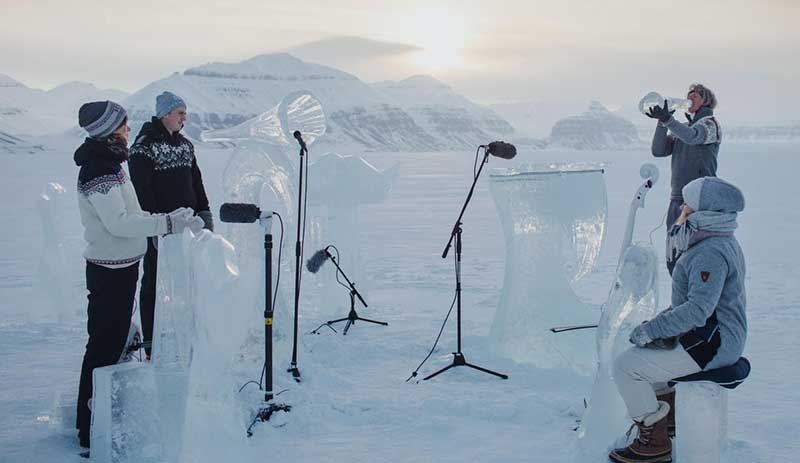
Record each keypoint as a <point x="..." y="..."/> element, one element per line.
<point x="101" y="118"/>
<point x="166" y="102"/>
<point x="713" y="194"/>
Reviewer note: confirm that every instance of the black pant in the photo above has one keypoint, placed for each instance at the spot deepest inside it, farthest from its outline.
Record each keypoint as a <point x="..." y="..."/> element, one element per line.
<point x="673" y="212"/>
<point x="111" y="294"/>
<point x="147" y="294"/>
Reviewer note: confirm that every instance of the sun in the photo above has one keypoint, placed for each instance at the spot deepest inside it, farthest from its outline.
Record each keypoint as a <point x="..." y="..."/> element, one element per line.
<point x="441" y="35"/>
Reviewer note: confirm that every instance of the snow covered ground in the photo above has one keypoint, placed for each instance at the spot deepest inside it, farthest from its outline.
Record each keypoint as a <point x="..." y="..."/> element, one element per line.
<point x="354" y="403"/>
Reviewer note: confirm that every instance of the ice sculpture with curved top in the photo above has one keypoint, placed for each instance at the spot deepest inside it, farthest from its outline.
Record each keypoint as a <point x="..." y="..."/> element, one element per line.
<point x="553" y="217"/>
<point x="299" y="110"/>
<point x="633" y="299"/>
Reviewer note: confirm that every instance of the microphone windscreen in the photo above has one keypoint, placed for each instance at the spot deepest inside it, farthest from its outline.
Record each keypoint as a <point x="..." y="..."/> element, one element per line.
<point x="315" y="262"/>
<point x="239" y="213"/>
<point x="502" y="149"/>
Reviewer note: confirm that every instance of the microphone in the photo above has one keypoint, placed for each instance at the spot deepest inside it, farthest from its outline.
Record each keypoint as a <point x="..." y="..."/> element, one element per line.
<point x="501" y="149"/>
<point x="299" y="138"/>
<point x="315" y="262"/>
<point x="241" y="213"/>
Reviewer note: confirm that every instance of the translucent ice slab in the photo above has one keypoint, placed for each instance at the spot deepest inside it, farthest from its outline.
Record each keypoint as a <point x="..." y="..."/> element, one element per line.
<point x="553" y="217"/>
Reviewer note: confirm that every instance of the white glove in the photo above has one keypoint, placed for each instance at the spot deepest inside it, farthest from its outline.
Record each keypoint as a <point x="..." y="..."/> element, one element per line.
<point x="183" y="218"/>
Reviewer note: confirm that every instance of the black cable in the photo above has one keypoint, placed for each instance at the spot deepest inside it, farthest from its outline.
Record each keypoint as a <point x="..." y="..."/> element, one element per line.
<point x="339" y="259"/>
<point x="475" y="164"/>
<point x="249" y="382"/>
<point x="436" y="342"/>
<point x="280" y="251"/>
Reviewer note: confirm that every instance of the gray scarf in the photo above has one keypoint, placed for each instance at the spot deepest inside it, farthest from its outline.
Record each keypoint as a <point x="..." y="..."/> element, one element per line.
<point x="697" y="227"/>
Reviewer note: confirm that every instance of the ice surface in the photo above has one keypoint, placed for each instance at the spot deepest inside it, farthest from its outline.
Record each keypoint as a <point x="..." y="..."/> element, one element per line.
<point x="701" y="419"/>
<point x="52" y="278"/>
<point x="553" y="217"/>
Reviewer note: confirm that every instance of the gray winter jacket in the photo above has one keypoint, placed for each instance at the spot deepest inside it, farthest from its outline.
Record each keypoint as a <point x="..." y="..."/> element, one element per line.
<point x="693" y="147"/>
<point x="708" y="294"/>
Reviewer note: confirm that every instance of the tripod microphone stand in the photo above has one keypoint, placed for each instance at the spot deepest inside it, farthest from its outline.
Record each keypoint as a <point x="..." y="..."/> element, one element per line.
<point x="265" y="413"/>
<point x="458" y="356"/>
<point x="353" y="315"/>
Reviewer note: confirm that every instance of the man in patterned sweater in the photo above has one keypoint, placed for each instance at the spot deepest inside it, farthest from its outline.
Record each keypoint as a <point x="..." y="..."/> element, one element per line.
<point x="694" y="146"/>
<point x="165" y="174"/>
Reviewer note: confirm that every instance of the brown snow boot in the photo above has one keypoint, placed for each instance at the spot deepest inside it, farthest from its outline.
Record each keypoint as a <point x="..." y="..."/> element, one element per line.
<point x="652" y="445"/>
<point x="668" y="396"/>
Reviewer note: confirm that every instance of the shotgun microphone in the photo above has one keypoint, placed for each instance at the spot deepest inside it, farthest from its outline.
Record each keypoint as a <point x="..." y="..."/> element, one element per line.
<point x="315" y="262"/>
<point x="241" y="213"/>
<point x="501" y="149"/>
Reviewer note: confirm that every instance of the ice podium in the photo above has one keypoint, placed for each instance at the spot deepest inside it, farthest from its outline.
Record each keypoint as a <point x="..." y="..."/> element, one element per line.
<point x="164" y="410"/>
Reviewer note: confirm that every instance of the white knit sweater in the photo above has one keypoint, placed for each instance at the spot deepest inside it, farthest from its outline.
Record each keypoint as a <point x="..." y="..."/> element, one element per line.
<point x="115" y="226"/>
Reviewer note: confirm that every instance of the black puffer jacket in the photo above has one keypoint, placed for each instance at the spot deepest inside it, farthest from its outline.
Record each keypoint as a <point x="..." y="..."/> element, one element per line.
<point x="164" y="171"/>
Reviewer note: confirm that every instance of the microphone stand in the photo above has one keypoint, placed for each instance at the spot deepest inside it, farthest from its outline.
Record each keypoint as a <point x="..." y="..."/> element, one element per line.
<point x="297" y="269"/>
<point x="458" y="356"/>
<point x="352" y="316"/>
<point x="266" y="412"/>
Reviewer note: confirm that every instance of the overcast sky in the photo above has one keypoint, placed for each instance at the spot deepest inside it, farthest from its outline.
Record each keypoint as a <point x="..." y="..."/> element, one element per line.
<point x="491" y="51"/>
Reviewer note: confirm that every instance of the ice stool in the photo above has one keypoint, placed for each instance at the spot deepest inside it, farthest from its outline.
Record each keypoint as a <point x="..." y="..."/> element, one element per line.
<point x="701" y="409"/>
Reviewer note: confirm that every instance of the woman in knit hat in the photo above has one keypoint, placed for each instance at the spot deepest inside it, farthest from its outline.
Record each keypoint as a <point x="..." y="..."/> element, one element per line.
<point x="115" y="229"/>
<point x="705" y="327"/>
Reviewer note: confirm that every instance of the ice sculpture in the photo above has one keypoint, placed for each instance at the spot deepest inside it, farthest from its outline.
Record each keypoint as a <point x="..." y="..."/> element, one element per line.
<point x="553" y="217"/>
<point x="339" y="186"/>
<point x="53" y="274"/>
<point x="262" y="171"/>
<point x="299" y="110"/>
<point x="701" y="418"/>
<point x="680" y="105"/>
<point x="182" y="404"/>
<point x="213" y="417"/>
<point x="126" y="426"/>
<point x="633" y="299"/>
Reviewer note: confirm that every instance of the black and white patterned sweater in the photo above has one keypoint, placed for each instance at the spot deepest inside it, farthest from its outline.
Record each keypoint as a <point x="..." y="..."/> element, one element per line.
<point x="115" y="227"/>
<point x="164" y="171"/>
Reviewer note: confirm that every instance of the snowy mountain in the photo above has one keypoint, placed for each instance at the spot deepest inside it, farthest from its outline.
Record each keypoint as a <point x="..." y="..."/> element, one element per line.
<point x="29" y="112"/>
<point x="11" y="144"/>
<point x="444" y="113"/>
<point x="372" y="117"/>
<point x="536" y="118"/>
<point x="595" y="129"/>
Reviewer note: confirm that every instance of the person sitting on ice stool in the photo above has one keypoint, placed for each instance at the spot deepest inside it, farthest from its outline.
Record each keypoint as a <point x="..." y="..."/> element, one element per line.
<point x="704" y="328"/>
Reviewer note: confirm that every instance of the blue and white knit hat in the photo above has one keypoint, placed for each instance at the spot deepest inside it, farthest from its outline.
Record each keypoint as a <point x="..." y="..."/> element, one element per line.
<point x="713" y="194"/>
<point x="166" y="102"/>
<point x="101" y="118"/>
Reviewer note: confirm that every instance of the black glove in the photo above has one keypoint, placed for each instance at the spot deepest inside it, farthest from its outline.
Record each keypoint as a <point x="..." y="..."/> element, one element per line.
<point x="208" y="220"/>
<point x="662" y="114"/>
